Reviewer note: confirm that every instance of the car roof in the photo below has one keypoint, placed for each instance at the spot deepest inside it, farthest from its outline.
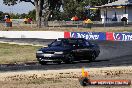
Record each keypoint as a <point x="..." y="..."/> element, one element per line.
<point x="71" y="38"/>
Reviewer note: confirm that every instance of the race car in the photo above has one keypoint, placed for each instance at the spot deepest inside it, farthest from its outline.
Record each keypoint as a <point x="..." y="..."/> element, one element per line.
<point x="68" y="50"/>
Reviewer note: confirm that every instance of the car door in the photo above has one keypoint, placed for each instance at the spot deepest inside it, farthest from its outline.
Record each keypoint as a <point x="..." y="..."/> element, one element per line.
<point x="79" y="49"/>
<point x="74" y="48"/>
<point x="84" y="48"/>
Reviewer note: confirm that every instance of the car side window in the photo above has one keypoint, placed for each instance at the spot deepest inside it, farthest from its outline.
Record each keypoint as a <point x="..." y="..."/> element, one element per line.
<point x="81" y="43"/>
<point x="65" y="43"/>
<point x="87" y="43"/>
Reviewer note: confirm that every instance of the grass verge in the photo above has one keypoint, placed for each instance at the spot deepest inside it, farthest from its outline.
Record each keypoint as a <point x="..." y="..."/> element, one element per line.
<point x="69" y="29"/>
<point x="13" y="53"/>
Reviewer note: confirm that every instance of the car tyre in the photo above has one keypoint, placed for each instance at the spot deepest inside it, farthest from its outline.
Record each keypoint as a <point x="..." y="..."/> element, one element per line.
<point x="43" y="62"/>
<point x="69" y="58"/>
<point x="93" y="57"/>
<point x="58" y="62"/>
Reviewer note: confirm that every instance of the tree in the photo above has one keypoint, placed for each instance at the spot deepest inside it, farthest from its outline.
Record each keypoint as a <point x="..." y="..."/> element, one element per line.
<point x="31" y="14"/>
<point x="1" y="15"/>
<point x="77" y="7"/>
<point x="49" y="7"/>
<point x="36" y="3"/>
<point x="23" y="15"/>
<point x="43" y="8"/>
<point x="10" y="2"/>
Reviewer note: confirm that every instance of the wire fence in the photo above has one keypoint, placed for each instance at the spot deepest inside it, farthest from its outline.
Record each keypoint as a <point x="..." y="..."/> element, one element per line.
<point x="82" y="24"/>
<point x="66" y="24"/>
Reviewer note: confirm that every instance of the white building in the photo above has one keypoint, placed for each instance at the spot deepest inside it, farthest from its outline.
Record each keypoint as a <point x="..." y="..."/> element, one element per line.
<point x="115" y="11"/>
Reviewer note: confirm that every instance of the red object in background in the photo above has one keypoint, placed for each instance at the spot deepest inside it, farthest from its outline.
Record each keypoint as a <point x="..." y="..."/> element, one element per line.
<point x="8" y="20"/>
<point x="110" y="36"/>
<point x="75" y="18"/>
<point x="84" y="18"/>
<point x="66" y="34"/>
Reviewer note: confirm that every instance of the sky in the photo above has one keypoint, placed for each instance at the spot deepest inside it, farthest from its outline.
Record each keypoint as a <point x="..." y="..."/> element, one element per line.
<point x="22" y="7"/>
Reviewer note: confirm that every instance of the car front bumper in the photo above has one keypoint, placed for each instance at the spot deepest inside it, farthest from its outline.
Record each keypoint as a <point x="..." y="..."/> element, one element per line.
<point x="49" y="57"/>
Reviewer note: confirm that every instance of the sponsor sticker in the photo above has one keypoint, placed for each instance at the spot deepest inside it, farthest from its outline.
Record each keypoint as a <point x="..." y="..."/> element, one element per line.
<point x="123" y="36"/>
<point x="89" y="35"/>
<point x="117" y="36"/>
<point x="85" y="80"/>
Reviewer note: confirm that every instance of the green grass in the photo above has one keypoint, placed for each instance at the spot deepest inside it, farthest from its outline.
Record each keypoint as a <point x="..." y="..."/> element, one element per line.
<point x="12" y="53"/>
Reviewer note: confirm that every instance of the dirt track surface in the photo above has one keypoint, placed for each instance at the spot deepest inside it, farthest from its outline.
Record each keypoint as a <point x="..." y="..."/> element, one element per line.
<point x="63" y="78"/>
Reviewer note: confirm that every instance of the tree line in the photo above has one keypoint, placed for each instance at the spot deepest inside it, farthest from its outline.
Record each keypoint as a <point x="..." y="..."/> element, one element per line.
<point x="61" y="9"/>
<point x="30" y="14"/>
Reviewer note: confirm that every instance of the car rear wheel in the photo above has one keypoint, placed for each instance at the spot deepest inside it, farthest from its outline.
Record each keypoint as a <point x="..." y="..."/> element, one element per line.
<point x="93" y="57"/>
<point x="69" y="58"/>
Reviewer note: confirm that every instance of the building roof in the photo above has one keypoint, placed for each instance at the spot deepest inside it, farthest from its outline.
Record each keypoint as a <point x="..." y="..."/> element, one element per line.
<point x="118" y="3"/>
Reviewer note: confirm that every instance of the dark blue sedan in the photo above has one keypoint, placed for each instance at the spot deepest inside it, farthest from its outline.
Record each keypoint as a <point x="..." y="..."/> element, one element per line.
<point x="68" y="50"/>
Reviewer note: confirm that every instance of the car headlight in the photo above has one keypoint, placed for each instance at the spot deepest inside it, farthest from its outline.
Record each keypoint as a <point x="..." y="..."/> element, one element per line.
<point x="39" y="52"/>
<point x="58" y="53"/>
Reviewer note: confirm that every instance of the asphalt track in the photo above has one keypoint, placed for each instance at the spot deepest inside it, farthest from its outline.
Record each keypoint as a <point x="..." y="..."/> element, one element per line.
<point x="113" y="53"/>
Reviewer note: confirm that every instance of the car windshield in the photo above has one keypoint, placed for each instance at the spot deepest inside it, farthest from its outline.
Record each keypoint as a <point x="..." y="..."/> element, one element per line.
<point x="69" y="42"/>
<point x="56" y="43"/>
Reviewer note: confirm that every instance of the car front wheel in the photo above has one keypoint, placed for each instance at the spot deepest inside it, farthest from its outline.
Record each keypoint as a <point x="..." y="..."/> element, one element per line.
<point x="69" y="58"/>
<point x="58" y="62"/>
<point x="43" y="62"/>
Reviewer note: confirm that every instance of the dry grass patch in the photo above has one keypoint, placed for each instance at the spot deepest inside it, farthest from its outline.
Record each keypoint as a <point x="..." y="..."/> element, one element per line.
<point x="12" y="53"/>
<point x="33" y="27"/>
